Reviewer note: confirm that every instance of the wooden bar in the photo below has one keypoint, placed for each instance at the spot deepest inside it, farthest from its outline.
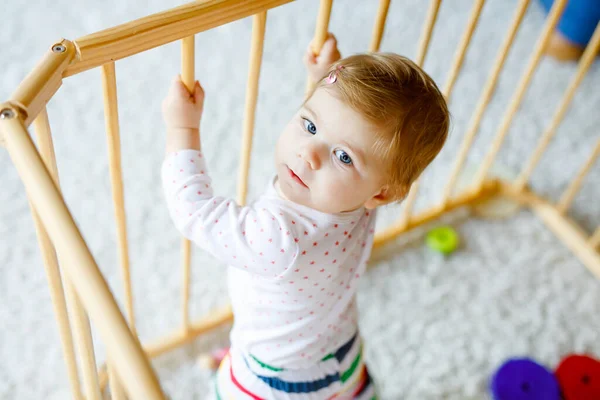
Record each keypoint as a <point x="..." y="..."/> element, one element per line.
<point x="57" y="296"/>
<point x="43" y="81"/>
<point x="321" y="30"/>
<point x="165" y="27"/>
<point x="566" y="230"/>
<point x="409" y="203"/>
<point x="484" y="100"/>
<point x="571" y="235"/>
<point x="256" y="51"/>
<point x="595" y="239"/>
<point x="584" y="64"/>
<point x="103" y="377"/>
<point x="83" y="340"/>
<point x="188" y="62"/>
<point x="46" y="148"/>
<point x="186" y="265"/>
<point x="569" y="194"/>
<point x="111" y="118"/>
<point x="116" y="390"/>
<point x="188" y="75"/>
<point x="322" y="25"/>
<point x="212" y="321"/>
<point x="463" y="46"/>
<point x="177" y="338"/>
<point x="382" y="12"/>
<point x="78" y="264"/>
<point x="432" y="13"/>
<point x="78" y="316"/>
<point x="552" y="20"/>
<point x="469" y="197"/>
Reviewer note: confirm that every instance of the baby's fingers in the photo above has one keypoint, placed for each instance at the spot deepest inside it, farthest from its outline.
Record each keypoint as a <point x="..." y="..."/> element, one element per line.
<point x="198" y="93"/>
<point x="329" y="46"/>
<point x="329" y="52"/>
<point x="309" y="56"/>
<point x="177" y="88"/>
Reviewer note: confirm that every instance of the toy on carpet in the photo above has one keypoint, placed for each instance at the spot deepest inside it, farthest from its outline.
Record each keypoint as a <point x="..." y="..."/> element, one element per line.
<point x="442" y="239"/>
<point x="577" y="377"/>
<point x="524" y="379"/>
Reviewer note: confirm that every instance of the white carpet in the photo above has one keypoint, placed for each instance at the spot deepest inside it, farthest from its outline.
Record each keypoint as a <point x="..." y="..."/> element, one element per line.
<point x="435" y="328"/>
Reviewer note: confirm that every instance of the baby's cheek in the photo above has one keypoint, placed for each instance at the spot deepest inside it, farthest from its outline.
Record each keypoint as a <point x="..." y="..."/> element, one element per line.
<point x="341" y="192"/>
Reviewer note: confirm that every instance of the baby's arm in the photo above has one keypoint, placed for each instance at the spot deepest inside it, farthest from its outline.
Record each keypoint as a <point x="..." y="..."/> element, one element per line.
<point x="182" y="111"/>
<point x="258" y="240"/>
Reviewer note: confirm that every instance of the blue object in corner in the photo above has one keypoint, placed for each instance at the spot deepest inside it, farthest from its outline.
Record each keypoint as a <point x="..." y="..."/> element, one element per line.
<point x="579" y="19"/>
<point x="524" y="379"/>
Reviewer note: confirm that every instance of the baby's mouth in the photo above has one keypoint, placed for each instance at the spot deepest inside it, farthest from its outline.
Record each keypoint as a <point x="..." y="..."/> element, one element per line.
<point x="296" y="178"/>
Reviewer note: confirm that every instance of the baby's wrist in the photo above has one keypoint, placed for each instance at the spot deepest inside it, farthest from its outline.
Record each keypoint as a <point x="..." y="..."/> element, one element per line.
<point x="181" y="138"/>
<point x="182" y="130"/>
<point x="182" y="127"/>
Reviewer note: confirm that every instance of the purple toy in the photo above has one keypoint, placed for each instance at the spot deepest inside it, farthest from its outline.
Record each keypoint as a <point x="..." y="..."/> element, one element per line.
<point x="524" y="379"/>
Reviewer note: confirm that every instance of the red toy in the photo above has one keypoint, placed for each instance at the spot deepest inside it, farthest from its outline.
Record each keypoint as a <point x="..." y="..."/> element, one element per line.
<point x="579" y="377"/>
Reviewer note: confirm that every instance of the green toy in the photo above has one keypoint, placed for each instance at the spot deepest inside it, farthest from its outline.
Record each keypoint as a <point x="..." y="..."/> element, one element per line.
<point x="442" y="239"/>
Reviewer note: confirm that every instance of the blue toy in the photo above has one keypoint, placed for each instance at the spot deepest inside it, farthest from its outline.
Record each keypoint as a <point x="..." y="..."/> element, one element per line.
<point x="524" y="379"/>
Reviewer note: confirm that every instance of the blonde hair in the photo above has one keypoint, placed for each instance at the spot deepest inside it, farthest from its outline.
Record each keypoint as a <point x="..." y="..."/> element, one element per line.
<point x="403" y="102"/>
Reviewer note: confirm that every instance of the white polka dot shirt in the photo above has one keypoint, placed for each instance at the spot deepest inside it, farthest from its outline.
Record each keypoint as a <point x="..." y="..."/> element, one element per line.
<point x="293" y="271"/>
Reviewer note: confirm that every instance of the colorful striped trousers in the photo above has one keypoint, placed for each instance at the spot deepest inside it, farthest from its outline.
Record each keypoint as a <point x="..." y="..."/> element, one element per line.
<point x="341" y="375"/>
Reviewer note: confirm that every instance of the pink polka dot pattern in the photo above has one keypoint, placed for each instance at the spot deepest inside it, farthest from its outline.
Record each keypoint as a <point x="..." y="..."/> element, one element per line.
<point x="293" y="273"/>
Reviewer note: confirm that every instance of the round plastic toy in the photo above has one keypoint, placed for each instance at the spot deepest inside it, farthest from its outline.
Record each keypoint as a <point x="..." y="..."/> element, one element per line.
<point x="579" y="377"/>
<point x="524" y="379"/>
<point x="443" y="239"/>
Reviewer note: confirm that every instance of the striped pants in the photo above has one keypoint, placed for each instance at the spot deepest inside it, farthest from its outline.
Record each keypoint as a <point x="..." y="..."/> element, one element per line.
<point x="342" y="375"/>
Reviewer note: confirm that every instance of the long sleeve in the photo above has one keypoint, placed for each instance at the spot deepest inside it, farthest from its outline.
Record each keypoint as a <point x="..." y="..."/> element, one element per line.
<point x="257" y="240"/>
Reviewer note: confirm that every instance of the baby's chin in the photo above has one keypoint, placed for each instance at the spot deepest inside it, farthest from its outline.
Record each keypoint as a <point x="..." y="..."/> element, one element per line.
<point x="287" y="193"/>
<point x="280" y="190"/>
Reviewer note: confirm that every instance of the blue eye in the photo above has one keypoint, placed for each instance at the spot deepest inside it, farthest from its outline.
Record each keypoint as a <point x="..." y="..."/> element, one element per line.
<point x="343" y="156"/>
<point x="310" y="127"/>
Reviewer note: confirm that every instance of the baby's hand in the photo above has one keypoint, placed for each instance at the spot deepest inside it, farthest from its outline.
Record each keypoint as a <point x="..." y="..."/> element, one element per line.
<point x="319" y="65"/>
<point x="182" y="109"/>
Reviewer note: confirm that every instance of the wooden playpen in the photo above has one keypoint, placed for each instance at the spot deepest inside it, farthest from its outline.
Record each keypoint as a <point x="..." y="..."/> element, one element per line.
<point x="80" y="293"/>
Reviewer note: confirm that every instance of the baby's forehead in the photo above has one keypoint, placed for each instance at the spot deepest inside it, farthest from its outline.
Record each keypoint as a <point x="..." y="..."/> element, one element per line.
<point x="332" y="113"/>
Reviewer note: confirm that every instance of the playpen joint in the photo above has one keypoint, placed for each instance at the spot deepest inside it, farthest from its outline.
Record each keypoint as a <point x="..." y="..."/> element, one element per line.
<point x="44" y="81"/>
<point x="563" y="227"/>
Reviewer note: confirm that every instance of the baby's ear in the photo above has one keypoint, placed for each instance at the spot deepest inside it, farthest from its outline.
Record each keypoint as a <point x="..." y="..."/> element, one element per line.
<point x="387" y="196"/>
<point x="379" y="199"/>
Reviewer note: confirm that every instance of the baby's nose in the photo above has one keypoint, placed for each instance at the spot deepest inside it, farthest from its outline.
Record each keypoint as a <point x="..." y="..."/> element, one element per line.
<point x="310" y="154"/>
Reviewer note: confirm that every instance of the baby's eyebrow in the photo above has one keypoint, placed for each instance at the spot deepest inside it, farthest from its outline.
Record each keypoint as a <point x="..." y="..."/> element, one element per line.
<point x="311" y="112"/>
<point x="356" y="152"/>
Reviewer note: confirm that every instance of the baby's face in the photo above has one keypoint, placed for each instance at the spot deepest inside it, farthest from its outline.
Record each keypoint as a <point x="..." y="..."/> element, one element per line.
<point x="324" y="157"/>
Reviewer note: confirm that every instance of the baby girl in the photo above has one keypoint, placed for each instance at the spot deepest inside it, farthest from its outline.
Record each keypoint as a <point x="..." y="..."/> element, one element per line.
<point x="364" y="134"/>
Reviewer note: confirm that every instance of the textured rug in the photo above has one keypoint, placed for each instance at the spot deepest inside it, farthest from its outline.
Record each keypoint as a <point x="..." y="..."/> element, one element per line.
<point x="436" y="328"/>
